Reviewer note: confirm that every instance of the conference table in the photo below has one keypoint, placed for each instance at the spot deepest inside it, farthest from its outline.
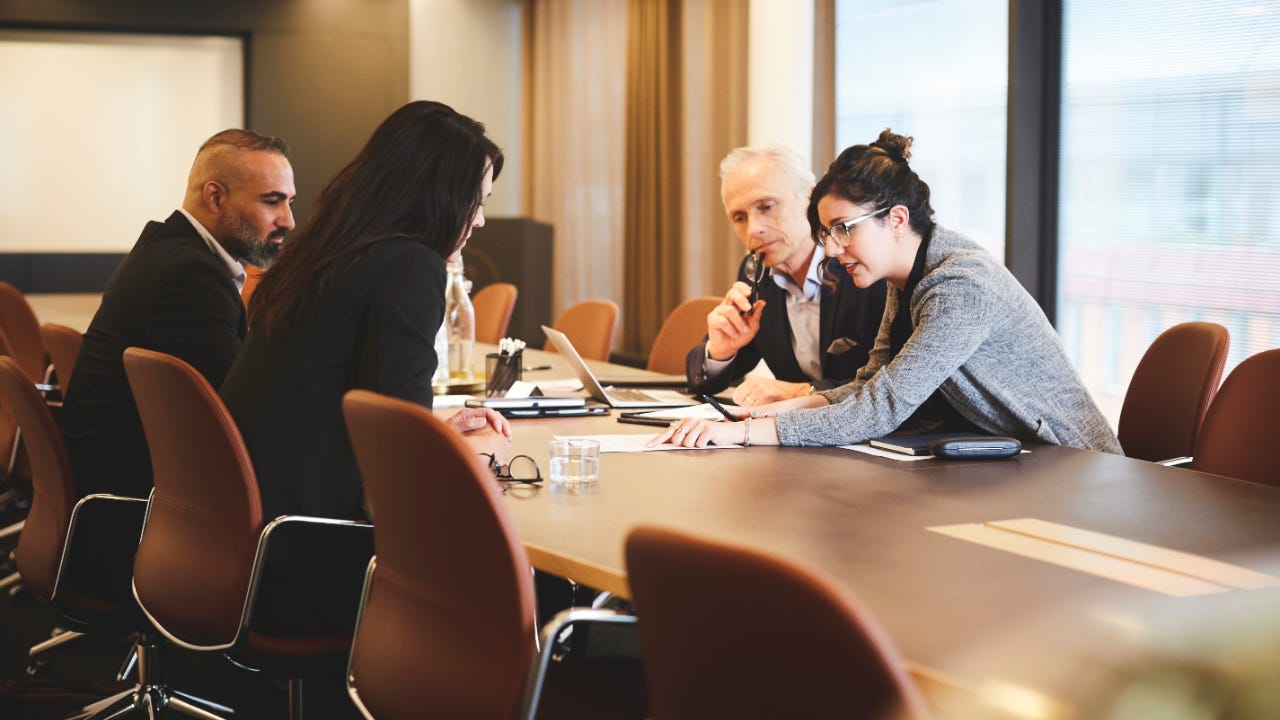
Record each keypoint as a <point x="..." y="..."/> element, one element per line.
<point x="964" y="615"/>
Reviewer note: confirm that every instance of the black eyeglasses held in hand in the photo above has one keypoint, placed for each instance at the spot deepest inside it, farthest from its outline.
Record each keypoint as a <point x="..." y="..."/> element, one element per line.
<point x="520" y="470"/>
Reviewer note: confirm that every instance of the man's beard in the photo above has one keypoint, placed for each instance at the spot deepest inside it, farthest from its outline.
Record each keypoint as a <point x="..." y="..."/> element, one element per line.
<point x="243" y="244"/>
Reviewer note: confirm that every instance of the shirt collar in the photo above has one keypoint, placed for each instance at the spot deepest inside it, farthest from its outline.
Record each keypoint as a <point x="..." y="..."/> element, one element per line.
<point x="233" y="266"/>
<point x="812" y="279"/>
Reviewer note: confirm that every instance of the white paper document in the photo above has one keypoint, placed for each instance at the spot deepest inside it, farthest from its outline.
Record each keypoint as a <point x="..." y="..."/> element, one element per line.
<point x="890" y="454"/>
<point x="702" y="412"/>
<point x="557" y="387"/>
<point x="635" y="442"/>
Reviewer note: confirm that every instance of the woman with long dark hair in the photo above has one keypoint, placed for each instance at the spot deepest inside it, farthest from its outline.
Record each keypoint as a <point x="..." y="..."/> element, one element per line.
<point x="962" y="346"/>
<point x="354" y="301"/>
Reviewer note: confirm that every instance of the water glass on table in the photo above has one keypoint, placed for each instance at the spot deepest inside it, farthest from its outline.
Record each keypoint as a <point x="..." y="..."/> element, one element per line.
<point x="575" y="462"/>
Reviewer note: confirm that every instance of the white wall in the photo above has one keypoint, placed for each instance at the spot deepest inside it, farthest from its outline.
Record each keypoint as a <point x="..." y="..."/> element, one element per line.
<point x="467" y="54"/>
<point x="98" y="131"/>
<point x="780" y="83"/>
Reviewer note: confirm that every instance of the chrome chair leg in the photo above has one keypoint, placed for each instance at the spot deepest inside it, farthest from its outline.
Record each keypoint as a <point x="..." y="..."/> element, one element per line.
<point x="10" y="581"/>
<point x="59" y="637"/>
<point x="13" y="529"/>
<point x="130" y="662"/>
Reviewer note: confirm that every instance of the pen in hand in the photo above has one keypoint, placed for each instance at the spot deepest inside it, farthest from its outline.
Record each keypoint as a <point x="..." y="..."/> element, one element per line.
<point x="719" y="408"/>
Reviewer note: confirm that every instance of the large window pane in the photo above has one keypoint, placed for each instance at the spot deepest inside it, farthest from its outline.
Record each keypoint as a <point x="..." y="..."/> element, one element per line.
<point x="1170" y="179"/>
<point x="935" y="70"/>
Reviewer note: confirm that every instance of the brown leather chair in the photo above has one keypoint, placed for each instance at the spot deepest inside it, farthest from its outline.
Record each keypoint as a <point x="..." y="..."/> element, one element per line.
<point x="22" y="330"/>
<point x="590" y="325"/>
<point x="784" y="642"/>
<point x="447" y="622"/>
<point x="1240" y="431"/>
<point x="683" y="329"/>
<point x="1171" y="390"/>
<point x="494" y="304"/>
<point x="201" y="573"/>
<point x="61" y="555"/>
<point x="63" y="344"/>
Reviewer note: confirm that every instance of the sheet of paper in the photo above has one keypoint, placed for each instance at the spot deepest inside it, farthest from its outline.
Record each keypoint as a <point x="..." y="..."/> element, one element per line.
<point x="703" y="411"/>
<point x="444" y="402"/>
<point x="890" y="454"/>
<point x="1107" y="566"/>
<point x="635" y="442"/>
<point x="520" y="389"/>
<point x="559" y="387"/>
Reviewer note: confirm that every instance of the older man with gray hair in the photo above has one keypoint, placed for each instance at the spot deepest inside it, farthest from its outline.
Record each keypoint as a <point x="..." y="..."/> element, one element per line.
<point x="813" y="328"/>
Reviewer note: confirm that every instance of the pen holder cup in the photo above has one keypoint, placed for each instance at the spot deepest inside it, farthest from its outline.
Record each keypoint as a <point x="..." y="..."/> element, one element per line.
<point x="501" y="372"/>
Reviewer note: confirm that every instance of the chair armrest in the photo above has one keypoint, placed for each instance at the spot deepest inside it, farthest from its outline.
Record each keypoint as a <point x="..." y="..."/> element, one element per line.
<point x="552" y="630"/>
<point x="311" y="563"/>
<point x="1183" y="461"/>
<point x="102" y="538"/>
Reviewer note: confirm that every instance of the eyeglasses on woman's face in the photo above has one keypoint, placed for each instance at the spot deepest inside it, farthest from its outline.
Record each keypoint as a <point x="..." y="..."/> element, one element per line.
<point x="842" y="232"/>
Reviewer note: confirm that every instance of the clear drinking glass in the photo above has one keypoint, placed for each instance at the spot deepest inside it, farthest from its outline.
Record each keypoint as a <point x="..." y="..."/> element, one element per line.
<point x="575" y="461"/>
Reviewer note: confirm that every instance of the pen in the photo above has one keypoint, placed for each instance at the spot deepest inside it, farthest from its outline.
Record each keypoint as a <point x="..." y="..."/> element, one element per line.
<point x="536" y="368"/>
<point x="719" y="408"/>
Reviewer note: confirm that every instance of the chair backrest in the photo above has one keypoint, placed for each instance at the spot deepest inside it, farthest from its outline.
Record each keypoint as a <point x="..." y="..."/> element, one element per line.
<point x="785" y="642"/>
<point x="683" y="329"/>
<point x="45" y="532"/>
<point x="195" y="560"/>
<point x="447" y="625"/>
<point x="590" y="325"/>
<point x="1242" y="426"/>
<point x="63" y="344"/>
<point x="1171" y="390"/>
<point x="22" y="330"/>
<point x="494" y="304"/>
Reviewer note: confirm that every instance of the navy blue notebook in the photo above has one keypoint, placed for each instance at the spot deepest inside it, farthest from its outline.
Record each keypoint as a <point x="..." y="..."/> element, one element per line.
<point x="916" y="444"/>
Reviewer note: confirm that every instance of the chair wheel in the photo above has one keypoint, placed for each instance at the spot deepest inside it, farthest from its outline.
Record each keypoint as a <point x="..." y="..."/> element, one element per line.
<point x="37" y="669"/>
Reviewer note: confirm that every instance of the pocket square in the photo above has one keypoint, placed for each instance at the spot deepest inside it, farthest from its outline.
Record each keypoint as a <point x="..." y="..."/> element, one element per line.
<point x="840" y="346"/>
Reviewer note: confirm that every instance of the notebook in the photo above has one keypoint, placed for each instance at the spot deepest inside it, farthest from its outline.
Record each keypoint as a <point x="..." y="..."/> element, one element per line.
<point x="615" y="397"/>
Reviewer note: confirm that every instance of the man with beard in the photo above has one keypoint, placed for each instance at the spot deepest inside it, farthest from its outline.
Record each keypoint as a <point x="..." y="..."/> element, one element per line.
<point x="177" y="292"/>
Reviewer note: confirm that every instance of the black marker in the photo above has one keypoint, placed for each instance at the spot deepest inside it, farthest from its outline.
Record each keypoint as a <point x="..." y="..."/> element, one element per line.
<point x="719" y="408"/>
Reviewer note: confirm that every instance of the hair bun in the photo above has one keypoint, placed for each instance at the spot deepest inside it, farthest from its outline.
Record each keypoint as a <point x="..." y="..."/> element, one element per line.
<point x="895" y="146"/>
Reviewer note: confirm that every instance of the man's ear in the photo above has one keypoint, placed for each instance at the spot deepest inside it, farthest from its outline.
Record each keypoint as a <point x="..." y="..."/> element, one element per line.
<point x="214" y="195"/>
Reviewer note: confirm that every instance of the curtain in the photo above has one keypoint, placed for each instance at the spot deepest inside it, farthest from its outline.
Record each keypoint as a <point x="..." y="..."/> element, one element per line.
<point x="651" y="232"/>
<point x="715" y="122"/>
<point x="573" y="73"/>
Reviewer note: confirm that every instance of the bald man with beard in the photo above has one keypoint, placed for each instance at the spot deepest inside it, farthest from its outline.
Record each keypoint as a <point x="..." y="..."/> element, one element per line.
<point x="177" y="292"/>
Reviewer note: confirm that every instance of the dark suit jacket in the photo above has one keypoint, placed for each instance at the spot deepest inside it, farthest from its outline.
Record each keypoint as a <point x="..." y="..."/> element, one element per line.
<point x="850" y="319"/>
<point x="372" y="328"/>
<point x="171" y="294"/>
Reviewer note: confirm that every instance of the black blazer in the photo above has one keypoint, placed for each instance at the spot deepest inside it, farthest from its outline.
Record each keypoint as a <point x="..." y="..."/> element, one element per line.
<point x="373" y="327"/>
<point x="850" y="319"/>
<point x="171" y="294"/>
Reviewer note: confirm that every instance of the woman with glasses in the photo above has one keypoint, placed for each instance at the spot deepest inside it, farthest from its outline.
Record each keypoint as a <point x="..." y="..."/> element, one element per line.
<point x="962" y="347"/>
<point x="354" y="301"/>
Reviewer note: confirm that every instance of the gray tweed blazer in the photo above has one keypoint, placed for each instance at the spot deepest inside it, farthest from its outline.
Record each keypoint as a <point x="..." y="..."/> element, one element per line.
<point x="982" y="340"/>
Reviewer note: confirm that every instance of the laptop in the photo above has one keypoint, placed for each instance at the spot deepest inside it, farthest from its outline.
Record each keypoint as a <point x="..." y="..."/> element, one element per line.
<point x="612" y="396"/>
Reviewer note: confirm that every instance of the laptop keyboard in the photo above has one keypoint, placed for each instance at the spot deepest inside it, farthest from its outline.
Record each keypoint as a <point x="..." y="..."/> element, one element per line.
<point x="630" y="394"/>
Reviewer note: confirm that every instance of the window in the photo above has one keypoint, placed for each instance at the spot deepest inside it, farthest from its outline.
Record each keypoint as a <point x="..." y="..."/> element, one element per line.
<point x="1170" y="179"/>
<point x="936" y="70"/>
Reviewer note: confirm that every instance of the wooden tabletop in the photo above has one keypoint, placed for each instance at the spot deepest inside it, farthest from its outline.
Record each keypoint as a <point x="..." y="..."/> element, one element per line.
<point x="863" y="520"/>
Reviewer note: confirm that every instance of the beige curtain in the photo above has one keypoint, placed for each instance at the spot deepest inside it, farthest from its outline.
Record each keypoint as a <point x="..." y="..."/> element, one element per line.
<point x="824" y="85"/>
<point x="651" y="231"/>
<point x="574" y="63"/>
<point x="600" y="173"/>
<point x="715" y="122"/>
